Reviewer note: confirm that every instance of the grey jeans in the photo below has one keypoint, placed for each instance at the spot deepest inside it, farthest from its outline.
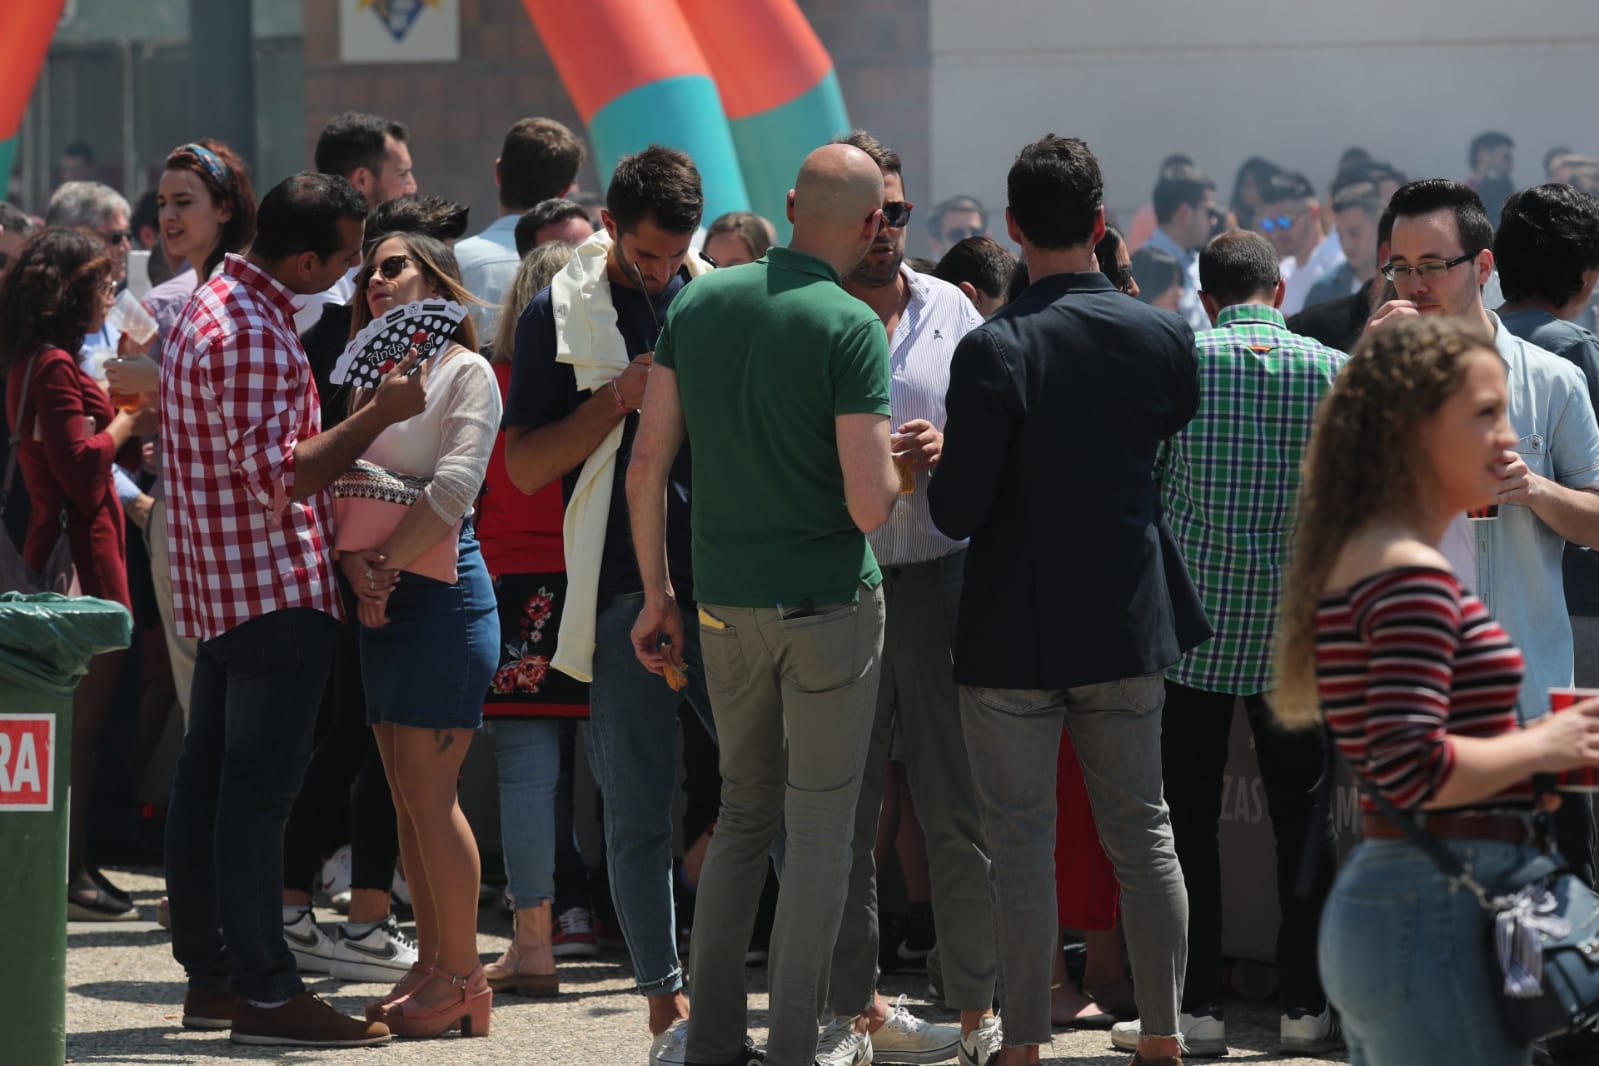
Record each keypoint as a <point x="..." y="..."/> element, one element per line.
<point x="1014" y="741"/>
<point x="918" y="695"/>
<point x="793" y="700"/>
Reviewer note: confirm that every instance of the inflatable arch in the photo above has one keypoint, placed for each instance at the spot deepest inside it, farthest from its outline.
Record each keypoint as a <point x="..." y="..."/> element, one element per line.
<point x="25" y="32"/>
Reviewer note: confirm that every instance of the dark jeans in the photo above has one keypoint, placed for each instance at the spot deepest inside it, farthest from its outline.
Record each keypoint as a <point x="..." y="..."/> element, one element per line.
<point x="1194" y="751"/>
<point x="346" y="751"/>
<point x="256" y="692"/>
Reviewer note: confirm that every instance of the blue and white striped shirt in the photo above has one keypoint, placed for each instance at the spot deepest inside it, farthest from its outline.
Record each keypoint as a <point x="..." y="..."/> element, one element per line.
<point x="935" y="320"/>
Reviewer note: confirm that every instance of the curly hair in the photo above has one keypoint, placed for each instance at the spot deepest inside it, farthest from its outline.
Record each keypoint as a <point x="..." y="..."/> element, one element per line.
<point x="52" y="293"/>
<point x="1360" y="466"/>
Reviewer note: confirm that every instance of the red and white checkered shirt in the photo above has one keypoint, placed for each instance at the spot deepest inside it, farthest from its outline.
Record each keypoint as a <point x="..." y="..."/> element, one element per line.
<point x="236" y="396"/>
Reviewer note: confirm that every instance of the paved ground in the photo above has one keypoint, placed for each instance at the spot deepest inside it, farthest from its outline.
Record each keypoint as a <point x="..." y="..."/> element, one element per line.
<point x="124" y="994"/>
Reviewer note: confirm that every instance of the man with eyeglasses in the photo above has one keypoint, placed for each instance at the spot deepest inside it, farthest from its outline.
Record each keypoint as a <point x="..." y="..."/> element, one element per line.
<point x="924" y="318"/>
<point x="953" y="220"/>
<point x="1290" y="217"/>
<point x="1440" y="256"/>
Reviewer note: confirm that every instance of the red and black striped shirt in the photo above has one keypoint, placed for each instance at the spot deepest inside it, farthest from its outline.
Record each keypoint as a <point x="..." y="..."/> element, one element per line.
<point x="1404" y="660"/>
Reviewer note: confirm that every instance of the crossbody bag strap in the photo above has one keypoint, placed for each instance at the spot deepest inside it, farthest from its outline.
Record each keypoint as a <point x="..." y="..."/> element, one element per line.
<point x="15" y="440"/>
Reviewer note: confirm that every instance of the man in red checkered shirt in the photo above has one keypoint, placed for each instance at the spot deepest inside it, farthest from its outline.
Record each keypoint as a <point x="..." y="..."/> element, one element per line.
<point x="247" y="471"/>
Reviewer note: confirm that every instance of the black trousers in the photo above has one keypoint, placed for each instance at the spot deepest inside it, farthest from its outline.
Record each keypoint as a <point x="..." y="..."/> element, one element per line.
<point x="1194" y="749"/>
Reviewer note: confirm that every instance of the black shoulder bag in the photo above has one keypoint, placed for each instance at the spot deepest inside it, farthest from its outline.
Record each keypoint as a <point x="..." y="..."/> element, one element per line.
<point x="1544" y="936"/>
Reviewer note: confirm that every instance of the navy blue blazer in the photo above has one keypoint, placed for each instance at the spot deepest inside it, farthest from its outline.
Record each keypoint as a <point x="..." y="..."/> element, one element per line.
<point x="1056" y="409"/>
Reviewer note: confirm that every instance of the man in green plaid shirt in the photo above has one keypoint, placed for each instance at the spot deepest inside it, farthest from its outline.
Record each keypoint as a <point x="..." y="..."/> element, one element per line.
<point x="1228" y="483"/>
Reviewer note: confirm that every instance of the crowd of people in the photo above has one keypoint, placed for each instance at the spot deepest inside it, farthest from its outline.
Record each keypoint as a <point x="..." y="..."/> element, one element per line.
<point x="963" y="563"/>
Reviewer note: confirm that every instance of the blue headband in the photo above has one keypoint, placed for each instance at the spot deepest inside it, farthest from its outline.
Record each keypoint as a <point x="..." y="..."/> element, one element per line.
<point x="211" y="161"/>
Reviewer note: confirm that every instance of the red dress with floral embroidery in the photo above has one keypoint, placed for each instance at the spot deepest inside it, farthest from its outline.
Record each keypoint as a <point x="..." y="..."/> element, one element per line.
<point x="521" y="540"/>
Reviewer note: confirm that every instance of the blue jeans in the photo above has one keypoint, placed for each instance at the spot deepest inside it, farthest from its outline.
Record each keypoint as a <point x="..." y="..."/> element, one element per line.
<point x="633" y="751"/>
<point x="1405" y="959"/>
<point x="252" y="712"/>
<point x="527" y="757"/>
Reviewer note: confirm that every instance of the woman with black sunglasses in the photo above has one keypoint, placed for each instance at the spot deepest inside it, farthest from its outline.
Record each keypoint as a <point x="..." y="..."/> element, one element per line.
<point x="430" y="647"/>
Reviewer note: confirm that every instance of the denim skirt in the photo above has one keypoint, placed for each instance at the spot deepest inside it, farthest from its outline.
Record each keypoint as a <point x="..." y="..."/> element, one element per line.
<point x="430" y="666"/>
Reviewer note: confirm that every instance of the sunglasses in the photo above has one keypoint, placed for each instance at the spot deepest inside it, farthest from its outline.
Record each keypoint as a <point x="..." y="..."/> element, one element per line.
<point x="960" y="233"/>
<point x="393" y="266"/>
<point x="1279" y="223"/>
<point x="897" y="213"/>
<point x="116" y="237"/>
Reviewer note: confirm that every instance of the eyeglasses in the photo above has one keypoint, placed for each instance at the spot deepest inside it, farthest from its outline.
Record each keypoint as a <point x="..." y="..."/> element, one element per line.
<point x="116" y="237"/>
<point x="1432" y="268"/>
<point x="897" y="213"/>
<point x="1283" y="223"/>
<point x="393" y="266"/>
<point x="956" y="234"/>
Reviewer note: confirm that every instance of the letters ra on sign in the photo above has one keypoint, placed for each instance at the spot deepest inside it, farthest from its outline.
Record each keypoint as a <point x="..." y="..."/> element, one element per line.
<point x="27" y="748"/>
<point x="399" y="31"/>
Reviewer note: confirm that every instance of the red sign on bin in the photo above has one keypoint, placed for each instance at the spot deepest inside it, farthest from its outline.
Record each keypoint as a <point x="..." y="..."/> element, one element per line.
<point x="27" y="744"/>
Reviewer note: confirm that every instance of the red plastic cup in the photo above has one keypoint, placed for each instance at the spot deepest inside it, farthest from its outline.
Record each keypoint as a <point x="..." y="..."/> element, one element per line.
<point x="1583" y="778"/>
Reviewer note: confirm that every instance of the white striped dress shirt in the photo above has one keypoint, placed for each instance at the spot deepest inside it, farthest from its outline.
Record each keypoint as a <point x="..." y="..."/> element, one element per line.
<point x="935" y="320"/>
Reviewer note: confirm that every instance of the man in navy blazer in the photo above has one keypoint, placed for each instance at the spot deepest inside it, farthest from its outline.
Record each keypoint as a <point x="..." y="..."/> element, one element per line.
<point x="1076" y="597"/>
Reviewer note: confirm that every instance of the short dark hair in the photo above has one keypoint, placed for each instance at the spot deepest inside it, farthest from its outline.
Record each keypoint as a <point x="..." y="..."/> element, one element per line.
<point x="659" y="183"/>
<point x="1487" y="141"/>
<point x="1440" y="194"/>
<point x="539" y="160"/>
<point x="1179" y="185"/>
<point x="427" y="214"/>
<point x="1177" y="159"/>
<point x="80" y="150"/>
<point x="1156" y="270"/>
<point x="1354" y="155"/>
<point x="1055" y="191"/>
<point x="1286" y="185"/>
<point x="302" y="213"/>
<point x="1362" y="195"/>
<point x="355" y="139"/>
<point x="145" y="213"/>
<point x="1105" y="250"/>
<point x="886" y="158"/>
<point x="958" y="202"/>
<point x="981" y="262"/>
<point x="1548" y="235"/>
<point x="1019" y="280"/>
<point x="1238" y="266"/>
<point x="545" y="213"/>
<point x="921" y="264"/>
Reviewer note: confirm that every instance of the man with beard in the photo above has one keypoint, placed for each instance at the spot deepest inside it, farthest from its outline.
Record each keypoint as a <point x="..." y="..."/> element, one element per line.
<point x="925" y="318"/>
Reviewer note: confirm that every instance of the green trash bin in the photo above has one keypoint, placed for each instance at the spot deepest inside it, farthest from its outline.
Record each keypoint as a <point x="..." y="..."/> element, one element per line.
<point x="46" y="642"/>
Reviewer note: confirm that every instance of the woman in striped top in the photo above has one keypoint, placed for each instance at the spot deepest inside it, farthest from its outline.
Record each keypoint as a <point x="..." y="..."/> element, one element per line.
<point x="1418" y="684"/>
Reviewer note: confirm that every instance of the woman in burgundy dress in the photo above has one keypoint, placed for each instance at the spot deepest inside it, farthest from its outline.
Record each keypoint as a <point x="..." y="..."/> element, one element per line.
<point x="58" y="289"/>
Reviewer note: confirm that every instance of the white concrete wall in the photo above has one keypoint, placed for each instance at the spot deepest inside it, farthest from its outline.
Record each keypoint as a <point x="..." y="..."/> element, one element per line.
<point x="1294" y="80"/>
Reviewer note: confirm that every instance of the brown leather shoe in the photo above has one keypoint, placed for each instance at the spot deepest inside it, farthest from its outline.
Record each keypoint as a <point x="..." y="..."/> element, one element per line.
<point x="304" y="1021"/>
<point x="209" y="1008"/>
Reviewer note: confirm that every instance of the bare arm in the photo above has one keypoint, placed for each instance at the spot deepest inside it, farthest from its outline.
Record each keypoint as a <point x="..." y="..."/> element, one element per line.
<point x="660" y="436"/>
<point x="536" y="457"/>
<point x="870" y="482"/>
<point x="1485" y="766"/>
<point x="1573" y="513"/>
<point x="320" y="459"/>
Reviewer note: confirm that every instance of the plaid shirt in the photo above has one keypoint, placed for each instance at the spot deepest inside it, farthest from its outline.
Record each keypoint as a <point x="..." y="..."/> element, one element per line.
<point x="1228" y="482"/>
<point x="236" y="395"/>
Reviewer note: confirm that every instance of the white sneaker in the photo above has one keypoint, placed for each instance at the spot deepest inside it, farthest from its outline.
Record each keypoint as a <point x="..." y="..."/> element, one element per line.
<point x="671" y="1047"/>
<point x="1305" y="1033"/>
<point x="383" y="954"/>
<point x="1204" y="1035"/>
<point x="906" y="1038"/>
<point x="313" y="951"/>
<point x="334" y="880"/>
<point x="841" y="1044"/>
<point x="981" y="1046"/>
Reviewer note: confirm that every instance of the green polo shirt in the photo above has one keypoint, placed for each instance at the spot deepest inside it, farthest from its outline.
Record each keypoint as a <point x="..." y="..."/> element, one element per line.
<point x="766" y="355"/>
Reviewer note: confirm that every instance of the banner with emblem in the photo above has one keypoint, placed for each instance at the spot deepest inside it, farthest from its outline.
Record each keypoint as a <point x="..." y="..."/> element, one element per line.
<point x="399" y="31"/>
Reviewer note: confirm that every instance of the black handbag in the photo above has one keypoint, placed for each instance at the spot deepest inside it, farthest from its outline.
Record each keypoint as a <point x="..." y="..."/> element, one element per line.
<point x="1544" y="935"/>
<point x="59" y="573"/>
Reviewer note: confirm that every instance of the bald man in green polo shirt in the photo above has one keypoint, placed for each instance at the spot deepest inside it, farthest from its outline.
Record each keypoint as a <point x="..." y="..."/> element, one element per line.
<point x="780" y="380"/>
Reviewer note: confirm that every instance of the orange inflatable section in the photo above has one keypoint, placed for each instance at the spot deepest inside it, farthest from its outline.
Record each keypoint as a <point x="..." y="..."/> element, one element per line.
<point x="26" y="27"/>
<point x="604" y="48"/>
<point x="764" y="53"/>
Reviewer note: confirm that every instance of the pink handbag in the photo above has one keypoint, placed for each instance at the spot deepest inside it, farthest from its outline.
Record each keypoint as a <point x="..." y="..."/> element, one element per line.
<point x="369" y="501"/>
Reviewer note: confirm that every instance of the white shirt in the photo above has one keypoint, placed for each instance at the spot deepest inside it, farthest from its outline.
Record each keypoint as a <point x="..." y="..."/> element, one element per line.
<point x="924" y="340"/>
<point x="1302" y="277"/>
<point x="488" y="264"/>
<point x="308" y="309"/>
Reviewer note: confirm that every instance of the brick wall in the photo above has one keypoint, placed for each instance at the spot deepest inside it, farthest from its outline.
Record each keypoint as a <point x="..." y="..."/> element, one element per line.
<point x="458" y="113"/>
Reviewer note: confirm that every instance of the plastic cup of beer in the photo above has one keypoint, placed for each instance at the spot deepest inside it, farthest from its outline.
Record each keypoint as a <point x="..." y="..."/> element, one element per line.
<point x="907" y="478"/>
<point x="1583" y="778"/>
<point x="128" y="316"/>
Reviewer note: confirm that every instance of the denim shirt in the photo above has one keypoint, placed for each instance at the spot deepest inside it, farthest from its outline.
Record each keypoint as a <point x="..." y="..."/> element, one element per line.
<point x="1518" y="555"/>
